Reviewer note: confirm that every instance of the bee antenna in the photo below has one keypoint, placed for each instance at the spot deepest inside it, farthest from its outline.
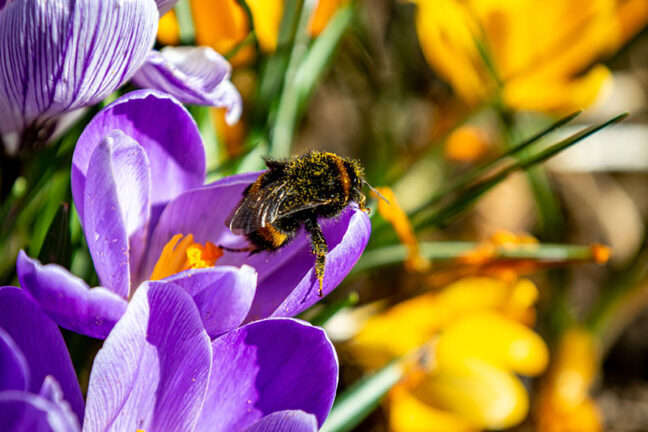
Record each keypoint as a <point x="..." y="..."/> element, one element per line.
<point x="376" y="191"/>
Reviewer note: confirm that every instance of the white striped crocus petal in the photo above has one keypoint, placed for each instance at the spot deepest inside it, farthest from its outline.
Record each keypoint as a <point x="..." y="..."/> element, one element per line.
<point x="60" y="55"/>
<point x="194" y="75"/>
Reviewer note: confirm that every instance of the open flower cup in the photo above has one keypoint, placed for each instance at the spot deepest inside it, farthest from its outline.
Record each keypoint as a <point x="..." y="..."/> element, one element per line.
<point x="158" y="370"/>
<point x="137" y="177"/>
<point x="57" y="56"/>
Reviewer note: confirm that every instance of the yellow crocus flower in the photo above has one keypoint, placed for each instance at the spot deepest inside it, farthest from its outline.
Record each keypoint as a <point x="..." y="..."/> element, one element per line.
<point x="542" y="52"/>
<point x="482" y="342"/>
<point x="223" y="24"/>
<point x="564" y="404"/>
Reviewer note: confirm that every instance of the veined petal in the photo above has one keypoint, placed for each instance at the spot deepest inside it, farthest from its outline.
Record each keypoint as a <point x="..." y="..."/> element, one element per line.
<point x="163" y="128"/>
<point x="285" y="421"/>
<point x="194" y="75"/>
<point x="268" y="366"/>
<point x="153" y="369"/>
<point x="68" y="300"/>
<point x="14" y="369"/>
<point x="60" y="55"/>
<point x="287" y="282"/>
<point x="116" y="207"/>
<point x="223" y="295"/>
<point x="41" y="343"/>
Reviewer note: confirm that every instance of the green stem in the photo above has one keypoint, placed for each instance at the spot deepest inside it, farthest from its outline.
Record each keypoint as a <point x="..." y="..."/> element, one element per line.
<point x="439" y="251"/>
<point x="185" y="22"/>
<point x="620" y="303"/>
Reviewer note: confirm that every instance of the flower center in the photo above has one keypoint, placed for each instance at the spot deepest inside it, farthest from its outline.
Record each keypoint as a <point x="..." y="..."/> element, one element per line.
<point x="182" y="253"/>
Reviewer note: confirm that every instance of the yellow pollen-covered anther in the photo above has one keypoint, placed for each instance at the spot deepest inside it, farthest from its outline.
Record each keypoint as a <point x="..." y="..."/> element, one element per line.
<point x="181" y="254"/>
<point x="199" y="256"/>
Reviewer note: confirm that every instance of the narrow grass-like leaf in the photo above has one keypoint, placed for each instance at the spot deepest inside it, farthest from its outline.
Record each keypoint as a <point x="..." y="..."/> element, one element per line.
<point x="251" y="37"/>
<point x="320" y="54"/>
<point x="287" y="110"/>
<point x="203" y="118"/>
<point x="57" y="247"/>
<point x="352" y="406"/>
<point x="483" y="168"/>
<point x="274" y="69"/>
<point x="329" y="310"/>
<point x="185" y="22"/>
<point x="468" y="196"/>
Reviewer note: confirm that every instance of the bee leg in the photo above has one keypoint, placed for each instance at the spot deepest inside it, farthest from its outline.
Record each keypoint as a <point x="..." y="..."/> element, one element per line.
<point x="245" y="249"/>
<point x="319" y="248"/>
<point x="362" y="204"/>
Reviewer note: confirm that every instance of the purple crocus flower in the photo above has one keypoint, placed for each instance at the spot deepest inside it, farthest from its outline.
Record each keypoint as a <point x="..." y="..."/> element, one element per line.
<point x="137" y="177"/>
<point x="37" y="381"/>
<point x="159" y="371"/>
<point x="60" y="55"/>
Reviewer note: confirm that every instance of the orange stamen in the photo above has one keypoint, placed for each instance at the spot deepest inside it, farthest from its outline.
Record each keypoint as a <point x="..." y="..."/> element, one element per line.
<point x="181" y="254"/>
<point x="601" y="253"/>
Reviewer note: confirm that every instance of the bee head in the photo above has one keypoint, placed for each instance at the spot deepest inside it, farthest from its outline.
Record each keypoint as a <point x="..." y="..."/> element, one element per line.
<point x="355" y="173"/>
<point x="356" y="176"/>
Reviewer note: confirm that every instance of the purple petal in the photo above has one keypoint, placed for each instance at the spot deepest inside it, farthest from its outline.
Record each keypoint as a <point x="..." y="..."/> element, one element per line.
<point x="194" y="75"/>
<point x="51" y="391"/>
<point x="41" y="343"/>
<point x="285" y="421"/>
<point x="68" y="299"/>
<point x="223" y="295"/>
<point x="117" y="208"/>
<point x="14" y="369"/>
<point x="25" y="412"/>
<point x="60" y="55"/>
<point x="165" y="5"/>
<point x="189" y="213"/>
<point x="346" y="237"/>
<point x="287" y="283"/>
<point x="267" y="366"/>
<point x="153" y="369"/>
<point x="166" y="131"/>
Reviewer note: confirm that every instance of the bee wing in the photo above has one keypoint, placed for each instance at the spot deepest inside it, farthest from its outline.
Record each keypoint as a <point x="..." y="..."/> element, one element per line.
<point x="258" y="210"/>
<point x="287" y="211"/>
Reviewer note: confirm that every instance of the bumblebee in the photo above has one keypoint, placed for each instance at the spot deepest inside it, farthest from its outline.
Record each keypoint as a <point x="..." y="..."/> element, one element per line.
<point x="293" y="193"/>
